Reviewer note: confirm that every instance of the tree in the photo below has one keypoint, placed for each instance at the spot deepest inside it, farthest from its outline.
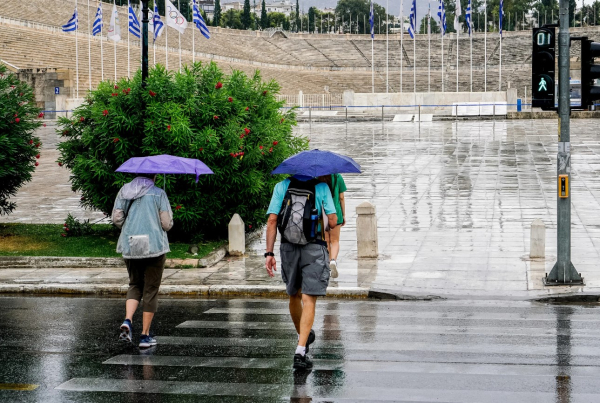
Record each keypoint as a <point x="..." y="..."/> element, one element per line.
<point x="246" y="18"/>
<point x="217" y="13"/>
<point x="232" y="123"/>
<point x="433" y="23"/>
<point x="232" y="19"/>
<point x="278" y="20"/>
<point x="298" y="16"/>
<point x="311" y="20"/>
<point x="358" y="11"/>
<point x="19" y="148"/>
<point x="264" y="18"/>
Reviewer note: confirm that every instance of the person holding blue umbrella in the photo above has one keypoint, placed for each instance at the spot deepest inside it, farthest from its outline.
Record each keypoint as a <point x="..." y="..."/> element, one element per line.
<point x="143" y="213"/>
<point x="302" y="209"/>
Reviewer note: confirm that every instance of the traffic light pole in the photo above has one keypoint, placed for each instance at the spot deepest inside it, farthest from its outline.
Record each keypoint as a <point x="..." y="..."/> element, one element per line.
<point x="563" y="272"/>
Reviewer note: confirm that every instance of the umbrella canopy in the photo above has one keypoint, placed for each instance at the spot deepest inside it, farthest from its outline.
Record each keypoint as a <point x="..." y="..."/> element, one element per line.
<point x="165" y="164"/>
<point x="317" y="163"/>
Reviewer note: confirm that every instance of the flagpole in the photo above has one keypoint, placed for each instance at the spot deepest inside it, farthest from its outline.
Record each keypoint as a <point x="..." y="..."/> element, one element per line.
<point x="166" y="37"/>
<point x="77" y="49"/>
<point x="179" y="9"/>
<point x="128" y="58"/>
<point x="194" y="39"/>
<point x="429" y="47"/>
<point x="101" y="43"/>
<point x="372" y="66"/>
<point x="485" y="49"/>
<point x="471" y="40"/>
<point x="415" y="55"/>
<point x="500" y="70"/>
<point x="89" y="46"/>
<point x="401" y="41"/>
<point x="442" y="32"/>
<point x="115" y="42"/>
<point x="387" y="46"/>
<point x="457" y="35"/>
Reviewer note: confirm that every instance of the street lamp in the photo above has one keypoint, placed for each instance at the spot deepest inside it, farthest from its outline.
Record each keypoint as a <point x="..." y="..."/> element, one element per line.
<point x="144" y="42"/>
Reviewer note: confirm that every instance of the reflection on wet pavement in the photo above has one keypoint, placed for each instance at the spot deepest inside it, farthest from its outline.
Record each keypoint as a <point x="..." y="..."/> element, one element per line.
<point x="241" y="351"/>
<point x="455" y="202"/>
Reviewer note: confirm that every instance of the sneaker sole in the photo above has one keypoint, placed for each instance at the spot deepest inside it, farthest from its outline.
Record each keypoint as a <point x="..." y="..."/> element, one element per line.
<point x="302" y="365"/>
<point x="147" y="345"/>
<point x="125" y="334"/>
<point x="334" y="272"/>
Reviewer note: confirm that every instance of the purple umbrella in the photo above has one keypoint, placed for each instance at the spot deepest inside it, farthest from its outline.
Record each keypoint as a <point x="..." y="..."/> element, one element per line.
<point x="165" y="164"/>
<point x="317" y="163"/>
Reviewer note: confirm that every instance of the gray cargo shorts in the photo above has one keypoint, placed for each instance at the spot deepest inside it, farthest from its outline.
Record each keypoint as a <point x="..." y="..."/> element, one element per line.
<point x="305" y="268"/>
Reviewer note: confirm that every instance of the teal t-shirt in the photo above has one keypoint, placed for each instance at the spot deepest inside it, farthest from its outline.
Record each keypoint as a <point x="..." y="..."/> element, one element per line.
<point x="339" y="186"/>
<point x="323" y="198"/>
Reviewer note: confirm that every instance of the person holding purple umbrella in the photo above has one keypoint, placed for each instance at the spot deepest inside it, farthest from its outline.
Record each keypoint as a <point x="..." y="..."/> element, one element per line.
<point x="143" y="213"/>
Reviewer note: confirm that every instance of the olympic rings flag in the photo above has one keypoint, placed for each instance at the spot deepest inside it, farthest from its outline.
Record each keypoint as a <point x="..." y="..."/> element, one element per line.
<point x="174" y="18"/>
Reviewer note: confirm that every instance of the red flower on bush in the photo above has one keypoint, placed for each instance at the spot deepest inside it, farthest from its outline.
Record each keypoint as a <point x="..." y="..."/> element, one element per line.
<point x="246" y="130"/>
<point x="261" y="147"/>
<point x="282" y="120"/>
<point x="114" y="94"/>
<point x="215" y="117"/>
<point x="241" y="136"/>
<point x="44" y="125"/>
<point x="105" y="113"/>
<point x="30" y="141"/>
<point x="178" y="207"/>
<point x="16" y="115"/>
<point x="219" y="85"/>
<point x="230" y="99"/>
<point x="60" y="164"/>
<point x="115" y="140"/>
<point x="63" y="234"/>
<point x="41" y="115"/>
<point x="17" y="120"/>
<point x="169" y="127"/>
<point x="202" y="149"/>
<point x="275" y="143"/>
<point x="37" y="145"/>
<point x="247" y="109"/>
<point x="81" y="119"/>
<point x="37" y="156"/>
<point x="116" y="87"/>
<point x="271" y="149"/>
<point x="37" y="163"/>
<point x="265" y="92"/>
<point x="152" y="93"/>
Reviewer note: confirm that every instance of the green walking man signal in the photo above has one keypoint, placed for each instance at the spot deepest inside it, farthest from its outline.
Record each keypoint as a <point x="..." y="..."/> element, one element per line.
<point x="542" y="86"/>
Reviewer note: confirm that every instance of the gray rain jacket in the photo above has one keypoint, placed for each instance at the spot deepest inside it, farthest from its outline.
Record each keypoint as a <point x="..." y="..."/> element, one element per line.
<point x="144" y="214"/>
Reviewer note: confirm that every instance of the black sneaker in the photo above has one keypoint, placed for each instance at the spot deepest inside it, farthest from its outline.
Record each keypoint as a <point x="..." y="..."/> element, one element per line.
<point x="302" y="362"/>
<point x="311" y="339"/>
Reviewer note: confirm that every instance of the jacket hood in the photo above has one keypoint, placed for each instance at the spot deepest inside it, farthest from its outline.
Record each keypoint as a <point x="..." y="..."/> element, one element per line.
<point x="136" y="188"/>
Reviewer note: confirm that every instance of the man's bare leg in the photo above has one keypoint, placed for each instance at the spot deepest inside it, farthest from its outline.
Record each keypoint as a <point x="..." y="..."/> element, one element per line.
<point x="146" y="322"/>
<point x="296" y="309"/>
<point x="308" y="317"/>
<point x="130" y="307"/>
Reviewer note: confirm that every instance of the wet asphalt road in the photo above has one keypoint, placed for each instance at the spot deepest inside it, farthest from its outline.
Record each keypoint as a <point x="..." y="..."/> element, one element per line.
<point x="241" y="350"/>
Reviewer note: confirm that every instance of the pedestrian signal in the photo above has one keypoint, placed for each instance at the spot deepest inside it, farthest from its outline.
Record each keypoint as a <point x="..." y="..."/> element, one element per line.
<point x="589" y="72"/>
<point x="543" y="68"/>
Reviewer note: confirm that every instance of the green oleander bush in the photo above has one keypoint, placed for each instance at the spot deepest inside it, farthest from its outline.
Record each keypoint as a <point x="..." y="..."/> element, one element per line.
<point x="19" y="117"/>
<point x="233" y="123"/>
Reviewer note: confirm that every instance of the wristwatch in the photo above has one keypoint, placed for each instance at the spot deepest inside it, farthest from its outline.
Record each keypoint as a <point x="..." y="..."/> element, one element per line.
<point x="269" y="254"/>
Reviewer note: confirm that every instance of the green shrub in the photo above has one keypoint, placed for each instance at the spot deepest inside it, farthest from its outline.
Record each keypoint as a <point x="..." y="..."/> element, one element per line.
<point x="232" y="123"/>
<point x="18" y="146"/>
<point x="74" y="227"/>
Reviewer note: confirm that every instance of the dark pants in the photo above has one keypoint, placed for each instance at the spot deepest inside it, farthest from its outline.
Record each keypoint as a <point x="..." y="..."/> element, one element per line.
<point x="145" y="276"/>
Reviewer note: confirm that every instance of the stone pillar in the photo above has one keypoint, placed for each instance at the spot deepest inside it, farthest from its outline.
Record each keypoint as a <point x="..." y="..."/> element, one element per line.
<point x="237" y="236"/>
<point x="538" y="239"/>
<point x="300" y="99"/>
<point x="348" y="98"/>
<point x="366" y="230"/>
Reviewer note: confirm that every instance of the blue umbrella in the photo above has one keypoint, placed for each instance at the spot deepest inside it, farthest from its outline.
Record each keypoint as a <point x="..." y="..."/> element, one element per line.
<point x="317" y="163"/>
<point x="165" y="164"/>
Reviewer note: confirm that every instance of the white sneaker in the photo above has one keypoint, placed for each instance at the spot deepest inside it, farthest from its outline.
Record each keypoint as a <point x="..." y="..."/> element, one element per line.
<point x="333" y="267"/>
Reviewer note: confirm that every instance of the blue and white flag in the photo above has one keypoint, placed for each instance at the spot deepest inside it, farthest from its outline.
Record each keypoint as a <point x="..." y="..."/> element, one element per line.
<point x="442" y="15"/>
<point x="412" y="29"/>
<point x="199" y="21"/>
<point x="73" y="24"/>
<point x="97" y="27"/>
<point x="502" y="12"/>
<point x="468" y="17"/>
<point x="134" y="23"/>
<point x="372" y="21"/>
<point x="158" y="24"/>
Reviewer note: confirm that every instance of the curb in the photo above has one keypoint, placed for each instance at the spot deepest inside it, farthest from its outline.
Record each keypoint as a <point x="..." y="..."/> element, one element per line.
<point x="384" y="295"/>
<point x="274" y="291"/>
<point x="565" y="298"/>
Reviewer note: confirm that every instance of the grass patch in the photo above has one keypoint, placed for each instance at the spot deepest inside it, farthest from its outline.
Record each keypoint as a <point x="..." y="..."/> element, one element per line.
<point x="46" y="240"/>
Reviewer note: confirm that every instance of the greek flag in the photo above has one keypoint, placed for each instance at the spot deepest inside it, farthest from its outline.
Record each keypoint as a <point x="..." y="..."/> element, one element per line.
<point x="442" y="15"/>
<point x="97" y="27"/>
<point x="502" y="12"/>
<point x="372" y="21"/>
<point x="134" y="23"/>
<point x="158" y="24"/>
<point x="468" y="17"/>
<point x="199" y="21"/>
<point x="412" y="28"/>
<point x="73" y="23"/>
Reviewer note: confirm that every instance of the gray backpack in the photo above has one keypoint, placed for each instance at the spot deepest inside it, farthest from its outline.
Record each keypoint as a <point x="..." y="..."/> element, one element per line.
<point x="297" y="220"/>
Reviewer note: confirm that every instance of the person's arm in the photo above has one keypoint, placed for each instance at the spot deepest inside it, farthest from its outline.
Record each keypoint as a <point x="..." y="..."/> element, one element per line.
<point x="343" y="204"/>
<point x="118" y="213"/>
<point x="165" y="213"/>
<point x="329" y="207"/>
<point x="271" y="262"/>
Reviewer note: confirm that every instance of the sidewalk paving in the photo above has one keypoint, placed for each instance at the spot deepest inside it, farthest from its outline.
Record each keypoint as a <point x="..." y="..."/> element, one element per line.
<point x="455" y="202"/>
